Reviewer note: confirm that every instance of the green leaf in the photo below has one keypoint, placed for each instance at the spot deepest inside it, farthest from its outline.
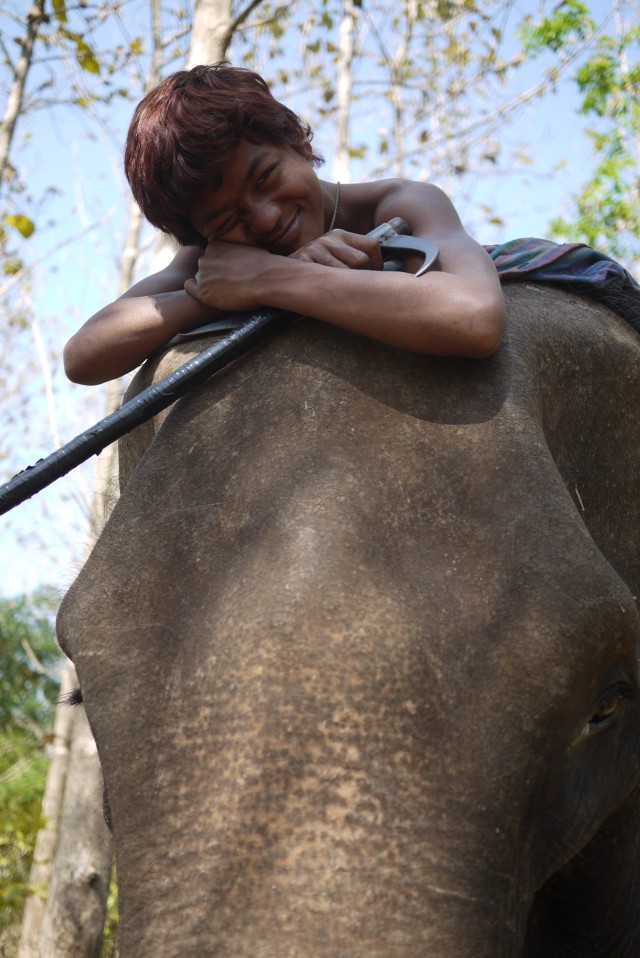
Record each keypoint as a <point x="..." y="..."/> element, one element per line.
<point x="88" y="62"/>
<point x="60" y="10"/>
<point x="569" y="21"/>
<point x="11" y="266"/>
<point x="22" y="223"/>
<point x="84" y="54"/>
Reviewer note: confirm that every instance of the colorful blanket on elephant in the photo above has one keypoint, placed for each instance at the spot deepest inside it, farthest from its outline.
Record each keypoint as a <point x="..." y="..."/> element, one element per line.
<point x="574" y="267"/>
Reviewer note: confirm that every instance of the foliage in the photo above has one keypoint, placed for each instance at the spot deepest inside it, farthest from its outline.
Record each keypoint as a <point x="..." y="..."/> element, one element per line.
<point x="67" y="65"/>
<point x="427" y="76"/>
<point x="607" y="208"/>
<point x="23" y="770"/>
<point x="29" y="659"/>
<point x="569" y="22"/>
<point x="59" y="59"/>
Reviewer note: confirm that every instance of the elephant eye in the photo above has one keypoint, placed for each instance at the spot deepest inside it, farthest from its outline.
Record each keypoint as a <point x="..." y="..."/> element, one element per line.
<point x="606" y="708"/>
<point x="610" y="703"/>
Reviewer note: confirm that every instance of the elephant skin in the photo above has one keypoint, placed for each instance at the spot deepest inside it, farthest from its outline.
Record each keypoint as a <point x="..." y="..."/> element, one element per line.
<point x="359" y="648"/>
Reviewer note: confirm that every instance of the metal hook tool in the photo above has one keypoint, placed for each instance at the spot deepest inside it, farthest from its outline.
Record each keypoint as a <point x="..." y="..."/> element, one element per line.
<point x="395" y="237"/>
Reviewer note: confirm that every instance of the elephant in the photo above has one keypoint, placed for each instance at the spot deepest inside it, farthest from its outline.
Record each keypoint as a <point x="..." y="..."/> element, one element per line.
<point x="359" y="649"/>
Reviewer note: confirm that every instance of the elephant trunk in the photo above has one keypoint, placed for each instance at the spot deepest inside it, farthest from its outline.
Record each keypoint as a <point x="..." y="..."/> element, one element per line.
<point x="333" y="888"/>
<point x="447" y="927"/>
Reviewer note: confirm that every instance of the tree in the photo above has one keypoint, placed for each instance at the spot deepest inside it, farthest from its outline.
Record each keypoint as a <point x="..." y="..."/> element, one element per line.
<point x="606" y="209"/>
<point x="57" y="66"/>
<point x="30" y="663"/>
<point x="55" y="63"/>
<point x="74" y="915"/>
<point x="35" y="18"/>
<point x="23" y="768"/>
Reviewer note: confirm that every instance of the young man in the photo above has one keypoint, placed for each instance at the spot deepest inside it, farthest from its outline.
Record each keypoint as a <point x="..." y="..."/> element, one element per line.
<point x="214" y="160"/>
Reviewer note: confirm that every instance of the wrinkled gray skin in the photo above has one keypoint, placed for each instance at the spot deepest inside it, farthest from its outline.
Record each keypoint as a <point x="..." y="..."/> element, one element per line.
<point x="343" y="639"/>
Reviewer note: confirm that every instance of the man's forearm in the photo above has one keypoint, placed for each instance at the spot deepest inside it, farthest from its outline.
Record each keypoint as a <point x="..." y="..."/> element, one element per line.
<point x="440" y="313"/>
<point x="125" y="333"/>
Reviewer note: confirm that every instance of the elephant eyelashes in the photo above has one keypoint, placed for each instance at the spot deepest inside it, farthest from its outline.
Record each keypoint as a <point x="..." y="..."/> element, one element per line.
<point x="72" y="698"/>
<point x="607" y="709"/>
<point x="609" y="705"/>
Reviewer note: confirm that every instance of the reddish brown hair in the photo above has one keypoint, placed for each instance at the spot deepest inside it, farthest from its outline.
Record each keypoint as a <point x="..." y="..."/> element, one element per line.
<point x="183" y="132"/>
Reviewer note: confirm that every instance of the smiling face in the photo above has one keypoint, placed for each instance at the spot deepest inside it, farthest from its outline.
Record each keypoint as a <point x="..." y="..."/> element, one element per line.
<point x="270" y="197"/>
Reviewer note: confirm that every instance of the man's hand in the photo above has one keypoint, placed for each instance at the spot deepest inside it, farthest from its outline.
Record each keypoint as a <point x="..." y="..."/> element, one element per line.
<point x="230" y="276"/>
<point x="341" y="250"/>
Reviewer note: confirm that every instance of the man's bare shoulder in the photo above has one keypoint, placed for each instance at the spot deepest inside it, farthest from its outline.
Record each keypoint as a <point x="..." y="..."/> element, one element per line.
<point x="423" y="205"/>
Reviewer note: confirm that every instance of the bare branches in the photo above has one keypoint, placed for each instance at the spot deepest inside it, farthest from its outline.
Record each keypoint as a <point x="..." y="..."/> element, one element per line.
<point x="13" y="108"/>
<point x="242" y="17"/>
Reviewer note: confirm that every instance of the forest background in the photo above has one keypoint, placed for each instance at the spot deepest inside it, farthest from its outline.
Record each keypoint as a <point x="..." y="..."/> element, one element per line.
<point x="526" y="113"/>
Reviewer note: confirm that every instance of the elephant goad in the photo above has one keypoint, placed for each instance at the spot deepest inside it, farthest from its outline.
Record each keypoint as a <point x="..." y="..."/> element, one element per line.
<point x="358" y="646"/>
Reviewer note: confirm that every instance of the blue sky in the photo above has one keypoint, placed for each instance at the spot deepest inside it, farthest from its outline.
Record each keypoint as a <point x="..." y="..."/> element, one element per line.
<point x="43" y="540"/>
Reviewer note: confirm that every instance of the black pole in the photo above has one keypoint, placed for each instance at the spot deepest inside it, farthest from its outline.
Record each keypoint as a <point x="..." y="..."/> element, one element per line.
<point x="141" y="408"/>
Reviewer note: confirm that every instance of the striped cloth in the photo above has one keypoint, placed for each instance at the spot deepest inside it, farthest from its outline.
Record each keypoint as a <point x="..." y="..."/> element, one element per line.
<point x="574" y="267"/>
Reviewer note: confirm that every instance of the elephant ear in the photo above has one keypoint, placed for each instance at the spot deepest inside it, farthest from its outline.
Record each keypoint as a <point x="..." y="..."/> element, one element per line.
<point x="574" y="906"/>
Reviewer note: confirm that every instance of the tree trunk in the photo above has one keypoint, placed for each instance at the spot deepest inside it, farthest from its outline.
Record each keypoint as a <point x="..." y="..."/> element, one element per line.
<point x="211" y="32"/>
<point x="47" y="836"/>
<point x="342" y="162"/>
<point x="397" y="73"/>
<point x="74" y="917"/>
<point x="75" y="907"/>
<point x="14" y="99"/>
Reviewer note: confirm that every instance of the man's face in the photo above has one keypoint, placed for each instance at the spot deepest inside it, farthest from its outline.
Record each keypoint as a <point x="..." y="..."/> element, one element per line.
<point x="270" y="197"/>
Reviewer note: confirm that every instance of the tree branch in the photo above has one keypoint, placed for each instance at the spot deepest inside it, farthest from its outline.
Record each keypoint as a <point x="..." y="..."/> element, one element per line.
<point x="35" y="17"/>
<point x="242" y="16"/>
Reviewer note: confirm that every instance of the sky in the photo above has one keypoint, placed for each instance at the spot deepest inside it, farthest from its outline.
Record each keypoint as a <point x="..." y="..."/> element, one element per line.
<point x="43" y="541"/>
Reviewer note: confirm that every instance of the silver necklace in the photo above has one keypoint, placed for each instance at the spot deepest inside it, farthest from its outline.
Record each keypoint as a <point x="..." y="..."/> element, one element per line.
<point x="335" y="208"/>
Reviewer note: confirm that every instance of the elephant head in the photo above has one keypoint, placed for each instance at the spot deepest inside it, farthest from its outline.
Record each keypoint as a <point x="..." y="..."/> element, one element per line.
<point x="359" y="649"/>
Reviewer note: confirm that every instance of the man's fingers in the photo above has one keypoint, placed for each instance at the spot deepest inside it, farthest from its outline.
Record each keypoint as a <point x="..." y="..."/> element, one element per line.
<point x="325" y="257"/>
<point x="367" y="249"/>
<point x="191" y="287"/>
<point x="341" y="250"/>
